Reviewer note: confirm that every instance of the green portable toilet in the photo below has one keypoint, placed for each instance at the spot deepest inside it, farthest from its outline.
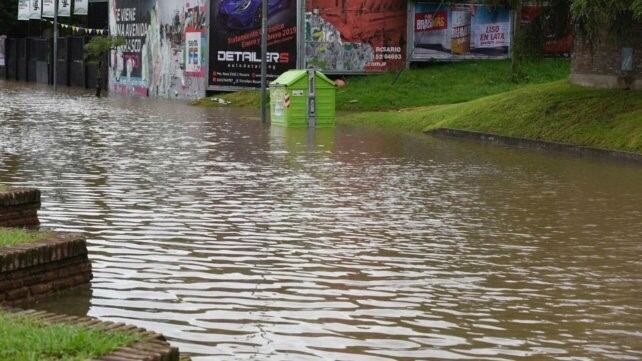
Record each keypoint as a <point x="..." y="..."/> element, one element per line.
<point x="303" y="98"/>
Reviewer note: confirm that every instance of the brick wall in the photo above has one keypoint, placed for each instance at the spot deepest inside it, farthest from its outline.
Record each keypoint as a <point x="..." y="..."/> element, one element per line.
<point x="36" y="270"/>
<point x="151" y="347"/>
<point x="599" y="66"/>
<point x="19" y="207"/>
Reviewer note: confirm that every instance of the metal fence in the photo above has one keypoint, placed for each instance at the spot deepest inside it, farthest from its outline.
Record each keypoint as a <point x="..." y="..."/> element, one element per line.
<point x="31" y="59"/>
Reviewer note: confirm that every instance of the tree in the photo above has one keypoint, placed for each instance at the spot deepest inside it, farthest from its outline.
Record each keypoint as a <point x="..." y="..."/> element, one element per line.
<point x="97" y="50"/>
<point x="8" y="17"/>
<point x="592" y="17"/>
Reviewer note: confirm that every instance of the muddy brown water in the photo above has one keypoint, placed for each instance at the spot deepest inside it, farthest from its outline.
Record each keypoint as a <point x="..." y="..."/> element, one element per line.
<point x="241" y="242"/>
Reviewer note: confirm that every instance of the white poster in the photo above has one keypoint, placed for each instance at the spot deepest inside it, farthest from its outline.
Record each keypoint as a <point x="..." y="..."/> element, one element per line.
<point x="48" y="7"/>
<point x="492" y="35"/>
<point x="2" y="39"/>
<point x="64" y="8"/>
<point x="81" y="7"/>
<point x="35" y="9"/>
<point x="193" y="52"/>
<point x="24" y="11"/>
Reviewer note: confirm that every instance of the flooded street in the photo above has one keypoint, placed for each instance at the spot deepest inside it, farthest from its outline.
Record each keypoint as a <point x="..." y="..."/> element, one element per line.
<point x="240" y="242"/>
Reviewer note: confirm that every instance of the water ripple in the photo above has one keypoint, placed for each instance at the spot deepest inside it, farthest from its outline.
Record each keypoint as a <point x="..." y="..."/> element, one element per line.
<point x="245" y="243"/>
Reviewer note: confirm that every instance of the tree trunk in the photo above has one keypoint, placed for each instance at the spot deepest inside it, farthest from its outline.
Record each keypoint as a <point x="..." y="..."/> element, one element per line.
<point x="515" y="64"/>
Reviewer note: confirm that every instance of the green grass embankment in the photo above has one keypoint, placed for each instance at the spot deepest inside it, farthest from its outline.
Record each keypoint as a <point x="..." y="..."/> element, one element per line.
<point x="26" y="339"/>
<point x="441" y="83"/>
<point x="480" y="96"/>
<point x="556" y="111"/>
<point x="16" y="236"/>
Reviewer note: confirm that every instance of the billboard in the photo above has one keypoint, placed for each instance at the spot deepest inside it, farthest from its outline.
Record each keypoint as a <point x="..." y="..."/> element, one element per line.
<point x="235" y="41"/>
<point x="355" y="36"/>
<point x="164" y="54"/>
<point x="460" y="31"/>
<point x="130" y="19"/>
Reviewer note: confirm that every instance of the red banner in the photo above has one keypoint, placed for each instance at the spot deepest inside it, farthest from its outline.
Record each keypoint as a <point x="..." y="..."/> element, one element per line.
<point x="431" y="21"/>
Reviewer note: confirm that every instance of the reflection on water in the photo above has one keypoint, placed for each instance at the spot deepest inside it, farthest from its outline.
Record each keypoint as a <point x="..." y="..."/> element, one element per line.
<point x="241" y="242"/>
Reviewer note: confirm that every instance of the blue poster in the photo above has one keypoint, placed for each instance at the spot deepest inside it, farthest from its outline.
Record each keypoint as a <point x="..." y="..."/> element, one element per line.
<point x="461" y="31"/>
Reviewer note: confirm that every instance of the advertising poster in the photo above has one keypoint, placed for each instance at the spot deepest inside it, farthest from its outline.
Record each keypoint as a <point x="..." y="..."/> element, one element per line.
<point x="2" y="50"/>
<point x="48" y="8"/>
<point x="355" y="36"/>
<point x="130" y="19"/>
<point x="195" y="36"/>
<point x="64" y="8"/>
<point x="193" y="63"/>
<point x="460" y="31"/>
<point x="235" y="41"/>
<point x="81" y="7"/>
<point x="24" y="9"/>
<point x="165" y="48"/>
<point x="35" y="9"/>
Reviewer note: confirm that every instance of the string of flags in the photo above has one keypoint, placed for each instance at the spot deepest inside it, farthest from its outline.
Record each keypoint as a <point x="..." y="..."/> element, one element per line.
<point x="80" y="28"/>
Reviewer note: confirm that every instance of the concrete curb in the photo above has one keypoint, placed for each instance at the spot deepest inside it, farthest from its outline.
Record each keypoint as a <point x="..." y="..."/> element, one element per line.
<point x="19" y="207"/>
<point x="581" y="151"/>
<point x="152" y="347"/>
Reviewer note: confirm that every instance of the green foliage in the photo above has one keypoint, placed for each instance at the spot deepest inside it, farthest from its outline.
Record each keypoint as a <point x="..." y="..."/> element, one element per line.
<point x="553" y="23"/>
<point x="16" y="236"/>
<point x="99" y="46"/>
<point x="26" y="339"/>
<point x="8" y="16"/>
<point x="443" y="83"/>
<point x="614" y="16"/>
<point x="556" y="111"/>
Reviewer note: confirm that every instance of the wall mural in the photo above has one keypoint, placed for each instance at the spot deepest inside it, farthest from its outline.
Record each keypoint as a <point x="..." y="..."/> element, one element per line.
<point x="355" y="35"/>
<point x="165" y="50"/>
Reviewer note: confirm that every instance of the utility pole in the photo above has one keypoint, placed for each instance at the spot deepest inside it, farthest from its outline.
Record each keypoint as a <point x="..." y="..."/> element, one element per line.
<point x="264" y="46"/>
<point x="55" y="45"/>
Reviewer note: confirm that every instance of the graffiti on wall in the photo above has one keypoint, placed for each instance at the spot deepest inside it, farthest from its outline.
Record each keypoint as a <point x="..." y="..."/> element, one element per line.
<point x="355" y="35"/>
<point x="164" y="54"/>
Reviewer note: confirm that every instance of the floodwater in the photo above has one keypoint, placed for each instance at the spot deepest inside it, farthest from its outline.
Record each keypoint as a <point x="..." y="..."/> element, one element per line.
<point x="241" y="242"/>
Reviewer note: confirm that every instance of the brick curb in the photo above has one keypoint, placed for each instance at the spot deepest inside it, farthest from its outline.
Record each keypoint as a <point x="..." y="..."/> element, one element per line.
<point x="32" y="271"/>
<point x="152" y="347"/>
<point x="582" y="151"/>
<point x="19" y="207"/>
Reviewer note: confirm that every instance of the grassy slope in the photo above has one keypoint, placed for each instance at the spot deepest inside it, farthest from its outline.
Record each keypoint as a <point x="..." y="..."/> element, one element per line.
<point x="15" y="236"/>
<point x="441" y="83"/>
<point x="25" y="339"/>
<point x="555" y="111"/>
<point x="479" y="96"/>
